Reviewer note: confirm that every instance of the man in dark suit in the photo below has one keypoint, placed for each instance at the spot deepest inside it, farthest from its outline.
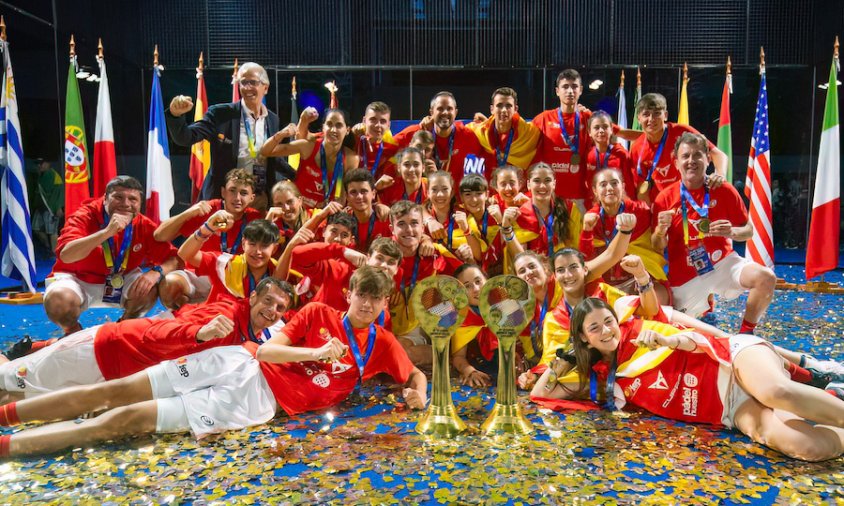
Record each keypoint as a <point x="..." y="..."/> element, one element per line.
<point x="236" y="132"/>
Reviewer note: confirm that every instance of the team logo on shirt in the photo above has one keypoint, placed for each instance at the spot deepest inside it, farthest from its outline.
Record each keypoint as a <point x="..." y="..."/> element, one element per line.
<point x="633" y="387"/>
<point x="312" y="172"/>
<point x="660" y="383"/>
<point x="473" y="165"/>
<point x="690" y="380"/>
<point x="321" y="380"/>
<point x="181" y="366"/>
<point x="136" y="248"/>
<point x="207" y="420"/>
<point x="20" y="376"/>
<point x="663" y="170"/>
<point x="689" y="401"/>
<point x="712" y="203"/>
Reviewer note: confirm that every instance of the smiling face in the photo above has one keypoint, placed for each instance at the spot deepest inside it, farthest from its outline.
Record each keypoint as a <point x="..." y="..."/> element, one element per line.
<point x="692" y="161"/>
<point x="123" y="201"/>
<point x="541" y="184"/>
<point x="503" y="108"/>
<point x="600" y="331"/>
<point x="569" y="91"/>
<point x="335" y="129"/>
<point x="473" y="281"/>
<point x="410" y="169"/>
<point x="474" y="201"/>
<point x="531" y="271"/>
<point x="570" y="274"/>
<point x="507" y="185"/>
<point x="252" y="90"/>
<point x="443" y="111"/>
<point x="237" y="197"/>
<point x="376" y="123"/>
<point x="653" y="122"/>
<point x="364" y="308"/>
<point x="408" y="229"/>
<point x="267" y="308"/>
<point x="257" y="255"/>
<point x="336" y="233"/>
<point x="600" y="130"/>
<point x="608" y="188"/>
<point x="384" y="262"/>
<point x="290" y="204"/>
<point x="440" y="191"/>
<point x="359" y="196"/>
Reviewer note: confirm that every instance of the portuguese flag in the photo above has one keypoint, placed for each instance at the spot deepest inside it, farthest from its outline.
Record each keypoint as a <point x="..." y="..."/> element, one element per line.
<point x="725" y="134"/>
<point x="76" y="174"/>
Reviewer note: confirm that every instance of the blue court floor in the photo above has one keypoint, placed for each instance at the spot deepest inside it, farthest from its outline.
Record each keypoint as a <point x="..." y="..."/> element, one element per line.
<point x="368" y="453"/>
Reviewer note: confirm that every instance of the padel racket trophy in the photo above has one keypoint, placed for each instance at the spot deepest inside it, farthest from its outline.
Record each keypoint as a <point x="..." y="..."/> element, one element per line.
<point x="440" y="303"/>
<point x="507" y="306"/>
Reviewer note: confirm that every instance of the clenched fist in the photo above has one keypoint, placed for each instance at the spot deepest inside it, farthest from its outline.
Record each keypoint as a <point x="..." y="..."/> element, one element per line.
<point x="180" y="105"/>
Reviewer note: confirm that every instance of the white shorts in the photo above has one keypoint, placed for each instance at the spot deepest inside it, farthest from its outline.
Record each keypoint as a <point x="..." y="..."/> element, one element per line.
<point x="417" y="336"/>
<point x="212" y="391"/>
<point x="198" y="286"/>
<point x="733" y="396"/>
<point x="68" y="362"/>
<point x="693" y="297"/>
<point x="90" y="294"/>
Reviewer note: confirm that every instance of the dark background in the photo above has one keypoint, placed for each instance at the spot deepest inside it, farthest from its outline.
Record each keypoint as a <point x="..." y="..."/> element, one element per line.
<point x="404" y="51"/>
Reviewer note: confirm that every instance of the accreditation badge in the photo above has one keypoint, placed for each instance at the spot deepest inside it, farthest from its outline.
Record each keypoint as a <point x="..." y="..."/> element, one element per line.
<point x="113" y="288"/>
<point x="699" y="259"/>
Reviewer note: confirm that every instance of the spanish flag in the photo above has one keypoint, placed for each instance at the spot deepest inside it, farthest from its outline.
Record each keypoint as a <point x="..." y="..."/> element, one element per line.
<point x="525" y="137"/>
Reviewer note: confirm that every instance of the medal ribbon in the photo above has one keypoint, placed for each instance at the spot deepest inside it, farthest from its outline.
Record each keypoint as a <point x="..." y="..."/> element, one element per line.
<point x="610" y="235"/>
<point x="702" y="211"/>
<point x="368" y="230"/>
<point x="413" y="277"/>
<point x="450" y="147"/>
<point x="250" y="134"/>
<point x="265" y="335"/>
<point x="122" y="259"/>
<point x="549" y="228"/>
<point x="251" y="281"/>
<point x="609" y="403"/>
<point x="535" y="328"/>
<point x="502" y="159"/>
<point x="366" y="158"/>
<point x="224" y="242"/>
<point x="602" y="163"/>
<point x="656" y="156"/>
<point x="450" y="231"/>
<point x="418" y="197"/>
<point x="571" y="141"/>
<point x="353" y="345"/>
<point x="335" y="188"/>
<point x="484" y="224"/>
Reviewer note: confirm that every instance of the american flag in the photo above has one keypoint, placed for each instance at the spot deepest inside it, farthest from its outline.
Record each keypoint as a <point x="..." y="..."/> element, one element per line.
<point x="760" y="248"/>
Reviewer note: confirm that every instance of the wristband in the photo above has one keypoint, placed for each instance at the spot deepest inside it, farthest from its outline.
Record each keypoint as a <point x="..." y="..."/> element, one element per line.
<point x="647" y="286"/>
<point x="160" y="272"/>
<point x="675" y="347"/>
<point x="199" y="235"/>
<point x="625" y="232"/>
<point x="209" y="228"/>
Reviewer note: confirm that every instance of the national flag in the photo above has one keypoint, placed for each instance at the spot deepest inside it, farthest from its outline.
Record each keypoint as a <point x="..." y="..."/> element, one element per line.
<point x="293" y="160"/>
<point x="235" y="84"/>
<point x="105" y="161"/>
<point x="200" y="153"/>
<point x="17" y="256"/>
<point x="760" y="248"/>
<point x="822" y="248"/>
<point x="725" y="134"/>
<point x="159" y="194"/>
<point x="76" y="174"/>
<point x="683" y="113"/>
<point x="622" y="110"/>
<point x="333" y="103"/>
<point x="636" y="98"/>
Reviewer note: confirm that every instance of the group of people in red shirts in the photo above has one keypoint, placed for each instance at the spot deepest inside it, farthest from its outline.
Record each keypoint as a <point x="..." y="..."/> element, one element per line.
<point x="286" y="297"/>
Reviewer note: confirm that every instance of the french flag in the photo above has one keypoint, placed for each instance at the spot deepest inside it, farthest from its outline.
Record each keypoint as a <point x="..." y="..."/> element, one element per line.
<point x="159" y="194"/>
<point x="105" y="161"/>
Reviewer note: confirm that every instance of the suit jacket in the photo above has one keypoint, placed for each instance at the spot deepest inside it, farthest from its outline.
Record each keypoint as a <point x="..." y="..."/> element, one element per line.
<point x="221" y="127"/>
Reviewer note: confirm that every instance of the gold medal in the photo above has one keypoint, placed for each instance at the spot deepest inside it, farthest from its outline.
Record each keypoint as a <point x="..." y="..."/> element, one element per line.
<point x="117" y="280"/>
<point x="575" y="159"/>
<point x="644" y="187"/>
<point x="703" y="225"/>
<point x="221" y="225"/>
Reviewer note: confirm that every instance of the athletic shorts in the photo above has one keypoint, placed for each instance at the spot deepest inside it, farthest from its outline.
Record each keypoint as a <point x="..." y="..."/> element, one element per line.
<point x="68" y="362"/>
<point x="733" y="396"/>
<point x="693" y="296"/>
<point x="417" y="336"/>
<point x="198" y="286"/>
<point x="90" y="294"/>
<point x="211" y="391"/>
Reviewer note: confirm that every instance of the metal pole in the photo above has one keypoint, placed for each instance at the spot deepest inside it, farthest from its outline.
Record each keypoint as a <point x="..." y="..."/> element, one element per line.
<point x="811" y="148"/>
<point x="58" y="86"/>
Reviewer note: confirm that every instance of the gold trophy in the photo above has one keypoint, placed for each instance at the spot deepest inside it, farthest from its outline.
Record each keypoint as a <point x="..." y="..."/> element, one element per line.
<point x="507" y="306"/>
<point x="440" y="303"/>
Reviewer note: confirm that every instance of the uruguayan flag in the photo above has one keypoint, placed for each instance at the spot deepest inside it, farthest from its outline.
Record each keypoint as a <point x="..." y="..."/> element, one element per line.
<point x="16" y="253"/>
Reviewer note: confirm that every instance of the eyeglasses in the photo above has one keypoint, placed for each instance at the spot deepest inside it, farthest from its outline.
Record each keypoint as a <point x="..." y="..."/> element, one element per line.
<point x="250" y="83"/>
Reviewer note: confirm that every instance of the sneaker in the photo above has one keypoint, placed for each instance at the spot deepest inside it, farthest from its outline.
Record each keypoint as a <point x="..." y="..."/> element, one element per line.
<point x="836" y="389"/>
<point x="19" y="349"/>
<point x="822" y="377"/>
<point x="829" y="367"/>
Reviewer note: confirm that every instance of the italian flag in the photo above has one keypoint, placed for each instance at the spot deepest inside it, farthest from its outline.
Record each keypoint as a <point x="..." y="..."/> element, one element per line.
<point x="822" y="249"/>
<point x="725" y="133"/>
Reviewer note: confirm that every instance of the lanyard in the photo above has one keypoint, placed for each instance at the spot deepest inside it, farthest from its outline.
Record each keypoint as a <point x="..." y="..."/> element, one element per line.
<point x="702" y="211"/>
<point x="450" y="147"/>
<point x="610" y="390"/>
<point x="484" y="224"/>
<point x="602" y="163"/>
<point x="224" y="243"/>
<point x="656" y="156"/>
<point x="353" y="344"/>
<point x="335" y="177"/>
<point x="549" y="228"/>
<point x="265" y="335"/>
<point x="251" y="282"/>
<point x="413" y="277"/>
<point x="418" y="197"/>
<point x="250" y="134"/>
<point x="118" y="264"/>
<point x="571" y="141"/>
<point x="498" y="155"/>
<point x="610" y="235"/>
<point x="535" y="329"/>
<point x="366" y="158"/>
<point x="368" y="230"/>
<point x="450" y="231"/>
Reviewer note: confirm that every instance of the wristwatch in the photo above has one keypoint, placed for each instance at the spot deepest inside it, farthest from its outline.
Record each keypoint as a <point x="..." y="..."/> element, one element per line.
<point x="160" y="272"/>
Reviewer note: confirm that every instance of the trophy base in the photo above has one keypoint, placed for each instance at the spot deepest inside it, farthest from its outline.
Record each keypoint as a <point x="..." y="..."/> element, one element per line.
<point x="506" y="419"/>
<point x="440" y="421"/>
